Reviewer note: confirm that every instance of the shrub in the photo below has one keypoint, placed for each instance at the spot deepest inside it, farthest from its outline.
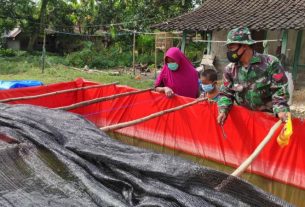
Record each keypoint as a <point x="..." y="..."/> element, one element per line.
<point x="120" y="55"/>
<point x="82" y="58"/>
<point x="194" y="51"/>
<point x="146" y="59"/>
<point x="102" y="58"/>
<point x="124" y="59"/>
<point x="7" y="52"/>
<point x="146" y="44"/>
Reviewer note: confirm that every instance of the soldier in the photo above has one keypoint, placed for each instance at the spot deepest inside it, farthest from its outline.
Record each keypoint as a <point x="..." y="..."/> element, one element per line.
<point x="255" y="81"/>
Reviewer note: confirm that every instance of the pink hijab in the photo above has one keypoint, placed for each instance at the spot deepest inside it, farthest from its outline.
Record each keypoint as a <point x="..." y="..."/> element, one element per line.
<point x="183" y="81"/>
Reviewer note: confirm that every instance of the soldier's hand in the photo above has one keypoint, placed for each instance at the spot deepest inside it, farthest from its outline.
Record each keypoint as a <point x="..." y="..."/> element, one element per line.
<point x="168" y="92"/>
<point x="222" y="116"/>
<point x="283" y="116"/>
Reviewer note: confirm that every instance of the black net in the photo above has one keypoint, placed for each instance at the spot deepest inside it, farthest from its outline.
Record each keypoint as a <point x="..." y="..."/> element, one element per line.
<point x="55" y="158"/>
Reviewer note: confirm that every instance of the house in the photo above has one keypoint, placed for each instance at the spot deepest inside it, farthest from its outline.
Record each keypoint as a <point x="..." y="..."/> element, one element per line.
<point x="282" y="22"/>
<point x="12" y="39"/>
<point x="58" y="42"/>
<point x="17" y="39"/>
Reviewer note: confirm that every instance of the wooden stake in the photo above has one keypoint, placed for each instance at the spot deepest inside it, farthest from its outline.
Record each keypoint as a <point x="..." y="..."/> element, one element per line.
<point x="133" y="53"/>
<point x="44" y="51"/>
<point x="107" y="98"/>
<point x="183" y="41"/>
<point x="156" y="67"/>
<point x="251" y="158"/>
<point x="151" y="116"/>
<point x="55" y="93"/>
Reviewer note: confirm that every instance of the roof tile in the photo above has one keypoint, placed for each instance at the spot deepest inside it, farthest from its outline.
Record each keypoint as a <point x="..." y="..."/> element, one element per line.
<point x="228" y="14"/>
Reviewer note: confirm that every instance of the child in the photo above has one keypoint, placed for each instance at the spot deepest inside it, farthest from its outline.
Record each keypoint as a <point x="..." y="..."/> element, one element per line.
<point x="208" y="84"/>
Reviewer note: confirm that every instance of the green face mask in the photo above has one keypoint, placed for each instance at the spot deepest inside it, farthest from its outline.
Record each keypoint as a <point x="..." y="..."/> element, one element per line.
<point x="172" y="66"/>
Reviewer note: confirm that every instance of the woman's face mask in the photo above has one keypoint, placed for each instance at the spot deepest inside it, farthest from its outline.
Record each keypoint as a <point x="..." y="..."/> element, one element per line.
<point x="173" y="66"/>
<point x="233" y="55"/>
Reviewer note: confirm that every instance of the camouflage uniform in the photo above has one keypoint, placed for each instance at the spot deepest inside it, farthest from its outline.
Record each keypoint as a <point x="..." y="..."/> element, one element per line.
<point x="262" y="86"/>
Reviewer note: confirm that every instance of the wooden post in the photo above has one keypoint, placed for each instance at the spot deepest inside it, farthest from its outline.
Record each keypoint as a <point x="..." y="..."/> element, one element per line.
<point x="266" y="47"/>
<point x="101" y="99"/>
<point x="284" y="55"/>
<point x="251" y="158"/>
<point x="156" y="54"/>
<point x="209" y="38"/>
<point x="284" y="42"/>
<point x="151" y="116"/>
<point x="183" y="41"/>
<point x="55" y="93"/>
<point x="257" y="150"/>
<point x="265" y="43"/>
<point x="297" y="54"/>
<point x="43" y="51"/>
<point x="133" y="53"/>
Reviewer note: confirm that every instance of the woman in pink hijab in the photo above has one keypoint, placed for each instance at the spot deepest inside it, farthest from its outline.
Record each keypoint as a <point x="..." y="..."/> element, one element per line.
<point x="178" y="76"/>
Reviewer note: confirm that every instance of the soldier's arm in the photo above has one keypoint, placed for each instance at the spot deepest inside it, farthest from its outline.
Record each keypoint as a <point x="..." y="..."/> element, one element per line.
<point x="226" y="95"/>
<point x="279" y="87"/>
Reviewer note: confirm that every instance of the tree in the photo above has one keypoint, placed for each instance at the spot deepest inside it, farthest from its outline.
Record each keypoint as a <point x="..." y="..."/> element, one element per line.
<point x="40" y="24"/>
<point x="13" y="12"/>
<point x="66" y="15"/>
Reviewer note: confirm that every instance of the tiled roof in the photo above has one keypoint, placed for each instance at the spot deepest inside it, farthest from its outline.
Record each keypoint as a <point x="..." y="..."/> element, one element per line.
<point x="228" y="14"/>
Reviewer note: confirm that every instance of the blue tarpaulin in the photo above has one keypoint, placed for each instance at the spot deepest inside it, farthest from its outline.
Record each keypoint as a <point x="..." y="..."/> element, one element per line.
<point x="19" y="84"/>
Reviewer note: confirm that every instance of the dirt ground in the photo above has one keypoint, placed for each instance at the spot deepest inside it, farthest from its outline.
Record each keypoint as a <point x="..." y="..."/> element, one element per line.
<point x="298" y="103"/>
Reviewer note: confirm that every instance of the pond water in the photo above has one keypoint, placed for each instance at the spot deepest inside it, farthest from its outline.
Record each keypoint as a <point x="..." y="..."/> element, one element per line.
<point x="289" y="193"/>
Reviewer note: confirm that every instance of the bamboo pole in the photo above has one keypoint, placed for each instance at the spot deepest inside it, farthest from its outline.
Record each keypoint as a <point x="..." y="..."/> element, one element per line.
<point x="251" y="158"/>
<point x="151" y="116"/>
<point x="44" y="51"/>
<point x="54" y="93"/>
<point x="133" y="52"/>
<point x="107" y="98"/>
<point x="156" y="67"/>
<point x="183" y="41"/>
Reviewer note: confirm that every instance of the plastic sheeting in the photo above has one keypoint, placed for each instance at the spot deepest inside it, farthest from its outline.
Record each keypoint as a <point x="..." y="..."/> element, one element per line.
<point x="19" y="84"/>
<point x="193" y="130"/>
<point x="54" y="158"/>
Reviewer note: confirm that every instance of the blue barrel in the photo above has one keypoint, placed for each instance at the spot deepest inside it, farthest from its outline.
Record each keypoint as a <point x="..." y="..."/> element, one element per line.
<point x="19" y="84"/>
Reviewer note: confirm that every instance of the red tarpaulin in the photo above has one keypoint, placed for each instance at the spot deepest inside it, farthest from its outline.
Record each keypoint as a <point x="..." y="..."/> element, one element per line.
<point x="193" y="129"/>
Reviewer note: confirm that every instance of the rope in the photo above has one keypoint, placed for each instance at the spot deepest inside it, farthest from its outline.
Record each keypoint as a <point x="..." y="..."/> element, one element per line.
<point x="220" y="41"/>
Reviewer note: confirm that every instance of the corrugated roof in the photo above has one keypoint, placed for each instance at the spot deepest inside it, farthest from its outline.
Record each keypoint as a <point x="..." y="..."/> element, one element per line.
<point x="228" y="14"/>
<point x="13" y="33"/>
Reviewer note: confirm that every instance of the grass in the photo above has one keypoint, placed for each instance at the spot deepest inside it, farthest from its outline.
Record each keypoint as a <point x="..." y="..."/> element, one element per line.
<point x="27" y="67"/>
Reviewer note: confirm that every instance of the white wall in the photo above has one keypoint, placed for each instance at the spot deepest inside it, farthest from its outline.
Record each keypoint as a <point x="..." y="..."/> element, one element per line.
<point x="13" y="44"/>
<point x="219" y="49"/>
